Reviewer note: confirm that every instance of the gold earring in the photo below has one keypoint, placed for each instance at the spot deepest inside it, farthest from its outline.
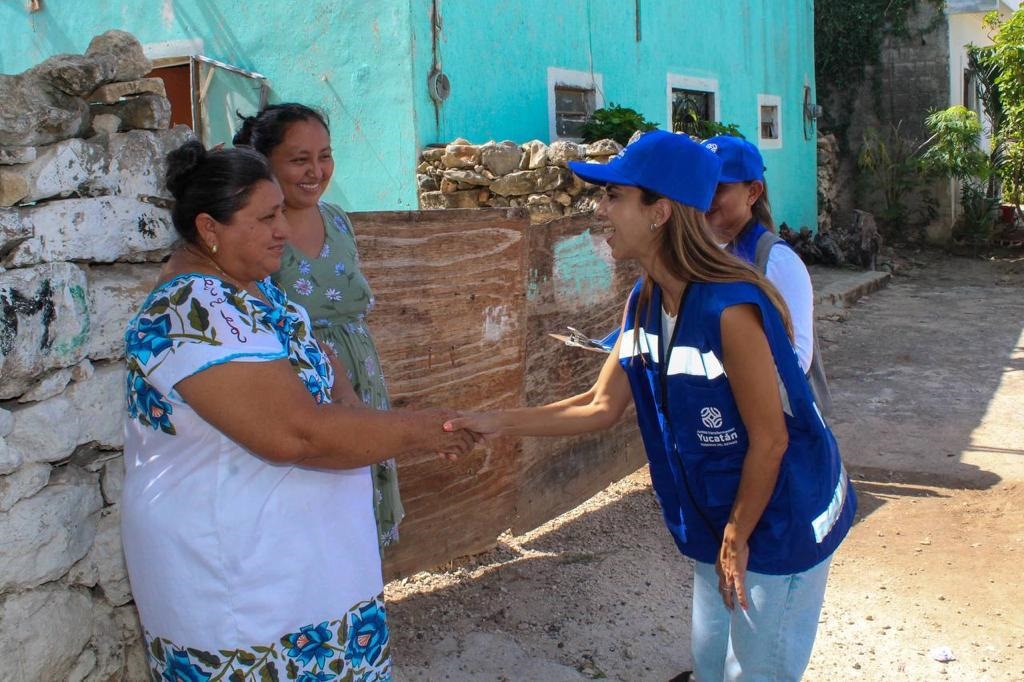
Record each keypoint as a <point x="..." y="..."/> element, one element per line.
<point x="213" y="249"/>
<point x="654" y="227"/>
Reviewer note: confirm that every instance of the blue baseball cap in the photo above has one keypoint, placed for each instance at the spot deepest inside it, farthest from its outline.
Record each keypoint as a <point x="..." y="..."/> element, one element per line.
<point x="665" y="163"/>
<point x="741" y="160"/>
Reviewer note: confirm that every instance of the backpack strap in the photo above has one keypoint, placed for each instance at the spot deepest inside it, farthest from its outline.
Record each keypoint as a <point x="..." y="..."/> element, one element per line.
<point x="764" y="246"/>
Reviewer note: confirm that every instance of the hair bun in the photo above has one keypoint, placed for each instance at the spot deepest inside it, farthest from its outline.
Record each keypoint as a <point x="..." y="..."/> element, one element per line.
<point x="244" y="134"/>
<point x="181" y="163"/>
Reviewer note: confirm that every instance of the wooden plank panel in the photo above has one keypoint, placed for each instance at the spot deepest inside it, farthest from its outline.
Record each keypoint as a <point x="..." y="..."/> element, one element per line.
<point x="573" y="280"/>
<point x="450" y="325"/>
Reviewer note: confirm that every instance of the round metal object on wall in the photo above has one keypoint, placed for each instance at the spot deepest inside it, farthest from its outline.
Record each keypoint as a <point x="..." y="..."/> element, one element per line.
<point x="438" y="85"/>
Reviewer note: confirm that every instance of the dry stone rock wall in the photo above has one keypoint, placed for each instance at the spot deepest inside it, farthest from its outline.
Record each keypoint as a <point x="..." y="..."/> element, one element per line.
<point x="533" y="175"/>
<point x="83" y="226"/>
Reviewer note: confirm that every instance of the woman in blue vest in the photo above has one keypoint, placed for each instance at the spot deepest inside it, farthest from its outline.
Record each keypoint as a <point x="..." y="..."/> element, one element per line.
<point x="747" y="473"/>
<point x="740" y="219"/>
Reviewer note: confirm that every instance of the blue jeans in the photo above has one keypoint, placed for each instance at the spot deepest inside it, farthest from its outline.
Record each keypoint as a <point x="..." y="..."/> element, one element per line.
<point x="771" y="641"/>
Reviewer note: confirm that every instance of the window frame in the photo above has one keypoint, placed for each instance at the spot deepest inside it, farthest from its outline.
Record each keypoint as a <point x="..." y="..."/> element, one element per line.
<point x="765" y="100"/>
<point x="678" y="81"/>
<point x="575" y="80"/>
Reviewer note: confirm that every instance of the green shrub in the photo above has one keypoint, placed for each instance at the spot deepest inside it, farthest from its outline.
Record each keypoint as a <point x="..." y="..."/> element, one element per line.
<point x="616" y="123"/>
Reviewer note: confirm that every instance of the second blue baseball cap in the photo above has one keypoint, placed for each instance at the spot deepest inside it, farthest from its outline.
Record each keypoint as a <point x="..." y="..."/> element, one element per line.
<point x="741" y="160"/>
<point x="665" y="163"/>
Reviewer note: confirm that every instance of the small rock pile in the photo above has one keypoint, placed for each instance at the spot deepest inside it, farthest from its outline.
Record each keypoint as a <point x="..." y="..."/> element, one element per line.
<point x="533" y="175"/>
<point x="83" y="224"/>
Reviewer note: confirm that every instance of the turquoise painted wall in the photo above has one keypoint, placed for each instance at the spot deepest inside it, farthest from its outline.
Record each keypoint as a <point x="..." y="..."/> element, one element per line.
<point x="497" y="55"/>
<point x="366" y="64"/>
<point x="349" y="58"/>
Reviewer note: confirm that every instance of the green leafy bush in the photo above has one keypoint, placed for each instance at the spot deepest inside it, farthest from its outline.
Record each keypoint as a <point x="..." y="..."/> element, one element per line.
<point x="687" y="120"/>
<point x="616" y="123"/>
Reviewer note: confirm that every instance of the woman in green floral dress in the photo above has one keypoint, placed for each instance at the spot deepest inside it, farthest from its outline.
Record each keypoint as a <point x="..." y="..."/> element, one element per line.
<point x="320" y="267"/>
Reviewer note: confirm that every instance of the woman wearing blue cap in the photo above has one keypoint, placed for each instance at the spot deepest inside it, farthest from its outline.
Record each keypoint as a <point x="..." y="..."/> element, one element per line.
<point x="747" y="473"/>
<point x="740" y="218"/>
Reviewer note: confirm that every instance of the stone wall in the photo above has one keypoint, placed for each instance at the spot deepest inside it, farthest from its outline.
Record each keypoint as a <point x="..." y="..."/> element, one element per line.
<point x="910" y="80"/>
<point x="83" y="225"/>
<point x="499" y="174"/>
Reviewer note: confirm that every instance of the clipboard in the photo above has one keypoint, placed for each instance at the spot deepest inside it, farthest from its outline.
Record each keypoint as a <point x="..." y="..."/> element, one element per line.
<point x="578" y="339"/>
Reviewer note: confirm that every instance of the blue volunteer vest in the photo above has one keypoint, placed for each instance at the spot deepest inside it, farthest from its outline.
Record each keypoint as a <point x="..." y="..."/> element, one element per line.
<point x="696" y="441"/>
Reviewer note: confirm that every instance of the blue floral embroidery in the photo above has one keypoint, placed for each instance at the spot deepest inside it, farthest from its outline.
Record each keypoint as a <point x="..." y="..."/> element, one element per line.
<point x="304" y="267"/>
<point x="303" y="287"/>
<point x="368" y="634"/>
<point x="311" y="642"/>
<point x="148" y="404"/>
<point x="307" y="655"/>
<point x="371" y="366"/>
<point x="339" y="269"/>
<point x="149" y="338"/>
<point x="340" y="223"/>
<point x="326" y="251"/>
<point x="333" y="294"/>
<point x="181" y="669"/>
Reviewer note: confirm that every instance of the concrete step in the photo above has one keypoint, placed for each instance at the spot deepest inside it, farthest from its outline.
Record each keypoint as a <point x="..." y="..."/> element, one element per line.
<point x="842" y="288"/>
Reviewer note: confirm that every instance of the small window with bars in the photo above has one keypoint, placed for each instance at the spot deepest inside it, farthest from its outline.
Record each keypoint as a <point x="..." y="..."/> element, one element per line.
<point x="573" y="106"/>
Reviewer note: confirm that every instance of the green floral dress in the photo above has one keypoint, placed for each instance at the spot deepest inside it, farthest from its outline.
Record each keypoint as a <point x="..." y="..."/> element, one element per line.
<point x="337" y="296"/>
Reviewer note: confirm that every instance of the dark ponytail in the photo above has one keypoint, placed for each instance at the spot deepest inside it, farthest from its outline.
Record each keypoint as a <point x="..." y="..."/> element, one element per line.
<point x="264" y="131"/>
<point x="217" y="182"/>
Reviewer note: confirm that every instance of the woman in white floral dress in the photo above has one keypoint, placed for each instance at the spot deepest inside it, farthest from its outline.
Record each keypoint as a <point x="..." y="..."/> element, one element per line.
<point x="246" y="516"/>
<point x="320" y="267"/>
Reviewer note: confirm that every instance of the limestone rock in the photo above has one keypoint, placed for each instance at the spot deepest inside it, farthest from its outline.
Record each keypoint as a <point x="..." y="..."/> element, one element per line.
<point x="34" y="112"/>
<point x="44" y="323"/>
<point x="603" y="148"/>
<point x="46" y="534"/>
<point x="27" y="625"/>
<point x="137" y="161"/>
<point x="431" y="200"/>
<point x="432" y="154"/>
<point x="114" y="295"/>
<point x="104" y="564"/>
<point x="501" y="158"/>
<point x="13" y="229"/>
<point x="142" y="112"/>
<point x="47" y="431"/>
<point x="13" y="187"/>
<point x="6" y="422"/>
<point x="563" y="198"/>
<point x="467" y="177"/>
<point x="111" y="92"/>
<point x="75" y="74"/>
<point x="460" y="156"/>
<point x="542" y="206"/>
<point x="448" y="186"/>
<point x="51" y="384"/>
<point x="59" y="170"/>
<point x="112" y="480"/>
<point x="425" y="183"/>
<point x="530" y="182"/>
<point x="104" y="229"/>
<point x="535" y="155"/>
<point x="131" y="61"/>
<point x="98" y="406"/>
<point x="462" y="199"/>
<point x="135" y="663"/>
<point x="10" y="458"/>
<point x="561" y="152"/>
<point x="25" y="482"/>
<point x="105" y="124"/>
<point x="10" y="156"/>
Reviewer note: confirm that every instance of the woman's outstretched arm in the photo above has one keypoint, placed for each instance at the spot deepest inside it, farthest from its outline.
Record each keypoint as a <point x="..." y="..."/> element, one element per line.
<point x="595" y="410"/>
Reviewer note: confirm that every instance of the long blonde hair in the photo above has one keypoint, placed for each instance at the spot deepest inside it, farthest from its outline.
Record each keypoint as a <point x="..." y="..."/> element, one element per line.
<point x="690" y="254"/>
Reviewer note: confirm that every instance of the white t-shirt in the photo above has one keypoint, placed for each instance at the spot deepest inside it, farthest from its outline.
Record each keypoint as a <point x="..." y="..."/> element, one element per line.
<point x="788" y="273"/>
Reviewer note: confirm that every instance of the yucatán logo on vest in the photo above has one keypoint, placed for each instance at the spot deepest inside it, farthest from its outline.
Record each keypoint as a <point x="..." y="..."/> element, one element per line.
<point x="712" y="418"/>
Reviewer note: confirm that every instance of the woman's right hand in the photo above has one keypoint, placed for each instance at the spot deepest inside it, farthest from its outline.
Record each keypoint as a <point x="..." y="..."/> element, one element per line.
<point x="487" y="424"/>
<point x="448" y="443"/>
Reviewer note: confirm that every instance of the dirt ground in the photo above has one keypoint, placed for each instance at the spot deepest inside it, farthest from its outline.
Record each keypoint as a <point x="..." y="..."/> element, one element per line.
<point x="928" y="385"/>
